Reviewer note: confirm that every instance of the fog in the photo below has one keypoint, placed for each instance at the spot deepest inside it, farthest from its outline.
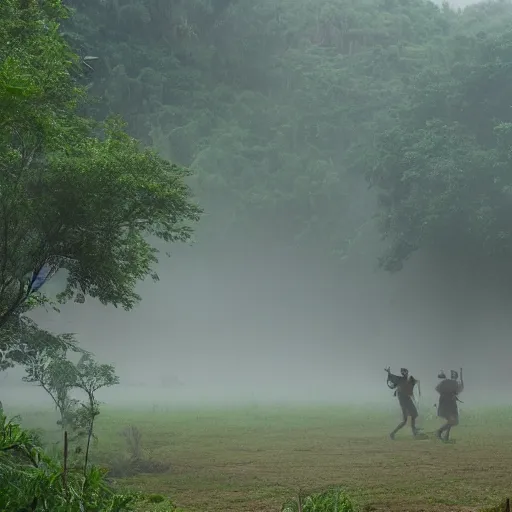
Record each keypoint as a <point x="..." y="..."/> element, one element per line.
<point x="277" y="325"/>
<point x="456" y="3"/>
<point x="254" y="321"/>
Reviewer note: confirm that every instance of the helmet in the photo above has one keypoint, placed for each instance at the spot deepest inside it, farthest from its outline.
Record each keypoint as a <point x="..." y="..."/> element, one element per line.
<point x="454" y="375"/>
<point x="404" y="372"/>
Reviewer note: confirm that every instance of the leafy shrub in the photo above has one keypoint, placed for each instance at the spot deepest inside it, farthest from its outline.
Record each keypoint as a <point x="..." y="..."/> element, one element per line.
<point x="32" y="480"/>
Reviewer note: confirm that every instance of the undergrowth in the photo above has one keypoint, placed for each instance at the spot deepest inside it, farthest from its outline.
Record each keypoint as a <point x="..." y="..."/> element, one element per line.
<point x="137" y="459"/>
<point x="32" y="480"/>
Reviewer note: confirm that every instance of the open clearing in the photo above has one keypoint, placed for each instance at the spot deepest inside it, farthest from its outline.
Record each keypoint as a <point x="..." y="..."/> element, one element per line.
<point x="255" y="458"/>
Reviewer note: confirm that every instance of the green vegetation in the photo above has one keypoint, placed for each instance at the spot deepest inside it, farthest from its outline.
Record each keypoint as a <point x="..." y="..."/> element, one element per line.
<point x="261" y="457"/>
<point x="31" y="480"/>
<point x="58" y="376"/>
<point x="445" y="165"/>
<point x="76" y="196"/>
<point x="275" y="105"/>
<point x="326" y="501"/>
<point x="285" y="111"/>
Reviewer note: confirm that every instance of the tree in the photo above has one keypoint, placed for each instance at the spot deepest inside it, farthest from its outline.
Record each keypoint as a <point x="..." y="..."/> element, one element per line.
<point x="90" y="377"/>
<point x="50" y="369"/>
<point x="21" y="340"/>
<point x="76" y="196"/>
<point x="57" y="375"/>
<point x="444" y="170"/>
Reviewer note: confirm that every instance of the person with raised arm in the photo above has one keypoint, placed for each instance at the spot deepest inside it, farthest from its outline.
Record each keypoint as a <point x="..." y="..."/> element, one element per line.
<point x="403" y="385"/>
<point x="449" y="391"/>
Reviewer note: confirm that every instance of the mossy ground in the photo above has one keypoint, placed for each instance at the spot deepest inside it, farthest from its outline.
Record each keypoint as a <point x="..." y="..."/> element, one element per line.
<point x="256" y="458"/>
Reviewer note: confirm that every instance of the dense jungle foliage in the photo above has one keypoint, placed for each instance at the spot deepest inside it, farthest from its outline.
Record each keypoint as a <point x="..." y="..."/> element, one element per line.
<point x="285" y="110"/>
<point x="77" y="196"/>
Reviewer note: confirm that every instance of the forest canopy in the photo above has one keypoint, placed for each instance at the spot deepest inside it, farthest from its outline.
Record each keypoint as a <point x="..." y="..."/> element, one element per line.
<point x="288" y="110"/>
<point x="445" y="168"/>
<point x="285" y="111"/>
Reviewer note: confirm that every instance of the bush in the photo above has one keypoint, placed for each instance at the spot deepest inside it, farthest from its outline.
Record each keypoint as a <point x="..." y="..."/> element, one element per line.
<point x="32" y="480"/>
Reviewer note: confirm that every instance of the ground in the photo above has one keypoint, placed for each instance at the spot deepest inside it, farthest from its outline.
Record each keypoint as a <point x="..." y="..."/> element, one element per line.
<point x="255" y="458"/>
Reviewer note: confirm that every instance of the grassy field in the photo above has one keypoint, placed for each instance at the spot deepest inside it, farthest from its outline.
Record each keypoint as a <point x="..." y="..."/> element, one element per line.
<point x="255" y="458"/>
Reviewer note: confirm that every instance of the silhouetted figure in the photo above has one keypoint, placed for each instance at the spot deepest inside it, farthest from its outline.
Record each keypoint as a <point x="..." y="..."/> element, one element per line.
<point x="404" y="391"/>
<point x="449" y="390"/>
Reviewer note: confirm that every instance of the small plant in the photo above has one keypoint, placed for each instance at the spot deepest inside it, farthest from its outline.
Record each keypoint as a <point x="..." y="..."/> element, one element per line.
<point x="137" y="461"/>
<point x="133" y="438"/>
<point x="334" y="500"/>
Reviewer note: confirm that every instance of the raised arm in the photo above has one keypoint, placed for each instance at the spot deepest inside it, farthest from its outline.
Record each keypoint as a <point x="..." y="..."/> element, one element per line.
<point x="461" y="385"/>
<point x="394" y="379"/>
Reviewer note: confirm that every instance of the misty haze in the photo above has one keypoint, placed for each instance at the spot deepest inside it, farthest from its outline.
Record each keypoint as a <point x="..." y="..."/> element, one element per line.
<point x="323" y="189"/>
